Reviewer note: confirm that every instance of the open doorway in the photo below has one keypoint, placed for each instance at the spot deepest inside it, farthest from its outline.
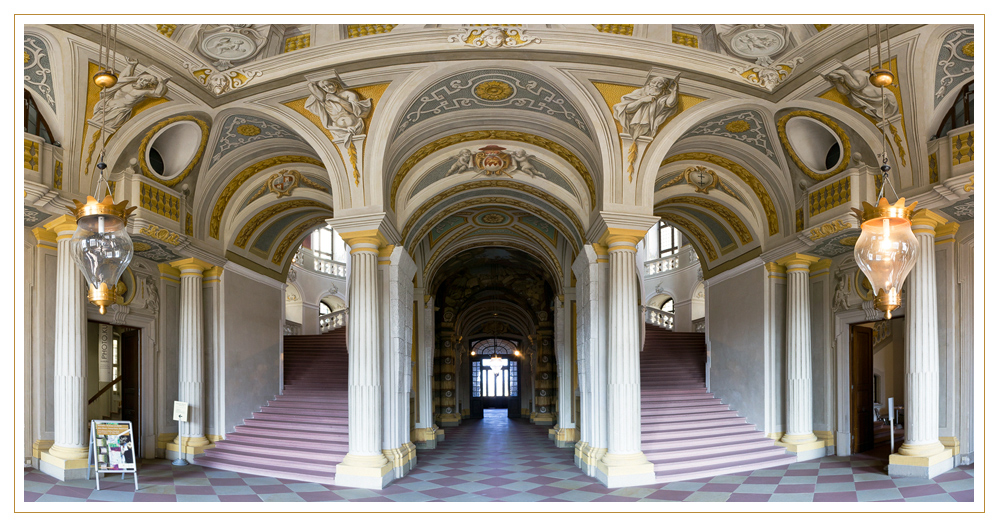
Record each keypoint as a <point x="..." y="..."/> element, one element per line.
<point x="114" y="375"/>
<point x="876" y="375"/>
<point x="494" y="377"/>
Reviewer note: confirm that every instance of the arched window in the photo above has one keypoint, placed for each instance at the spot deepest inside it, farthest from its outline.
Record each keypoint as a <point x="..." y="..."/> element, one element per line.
<point x="667" y="243"/>
<point x="34" y="123"/>
<point x="960" y="113"/>
<point x="324" y="308"/>
<point x="326" y="243"/>
<point x="668" y="306"/>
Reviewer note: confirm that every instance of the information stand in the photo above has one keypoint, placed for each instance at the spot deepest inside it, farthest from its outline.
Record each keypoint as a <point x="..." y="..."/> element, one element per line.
<point x="112" y="450"/>
<point x="180" y="414"/>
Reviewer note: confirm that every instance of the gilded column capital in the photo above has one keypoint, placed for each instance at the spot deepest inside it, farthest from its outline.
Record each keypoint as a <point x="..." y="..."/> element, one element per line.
<point x="822" y="265"/>
<point x="63" y="226"/>
<point x="191" y="264"/>
<point x="44" y="236"/>
<point x="773" y="268"/>
<point x="926" y="221"/>
<point x="370" y="240"/>
<point x="616" y="238"/>
<point x="797" y="259"/>
<point x="946" y="232"/>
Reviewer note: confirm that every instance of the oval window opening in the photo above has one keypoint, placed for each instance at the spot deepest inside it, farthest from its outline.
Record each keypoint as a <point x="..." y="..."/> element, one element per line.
<point x="155" y="161"/>
<point x="814" y="143"/>
<point x="175" y="146"/>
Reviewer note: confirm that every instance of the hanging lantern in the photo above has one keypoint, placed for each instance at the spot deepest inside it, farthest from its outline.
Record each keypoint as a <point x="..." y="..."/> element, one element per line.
<point x="101" y="246"/>
<point x="886" y="251"/>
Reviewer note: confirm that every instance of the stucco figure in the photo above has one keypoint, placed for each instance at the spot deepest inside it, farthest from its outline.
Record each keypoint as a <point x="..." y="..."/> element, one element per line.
<point x="854" y="85"/>
<point x="340" y="110"/>
<point x="116" y="103"/>
<point x="641" y="112"/>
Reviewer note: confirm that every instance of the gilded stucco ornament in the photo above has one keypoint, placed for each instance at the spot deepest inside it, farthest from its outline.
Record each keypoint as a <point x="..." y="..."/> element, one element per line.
<point x="760" y="42"/>
<point x="221" y="82"/>
<point x="494" y="37"/>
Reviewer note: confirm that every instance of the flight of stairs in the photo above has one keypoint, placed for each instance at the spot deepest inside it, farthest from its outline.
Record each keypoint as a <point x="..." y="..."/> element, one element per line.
<point x="302" y="433"/>
<point x="687" y="432"/>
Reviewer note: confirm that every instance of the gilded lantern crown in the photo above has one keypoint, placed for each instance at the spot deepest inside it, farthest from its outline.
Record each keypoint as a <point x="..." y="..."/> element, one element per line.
<point x="884" y="210"/>
<point x="104" y="207"/>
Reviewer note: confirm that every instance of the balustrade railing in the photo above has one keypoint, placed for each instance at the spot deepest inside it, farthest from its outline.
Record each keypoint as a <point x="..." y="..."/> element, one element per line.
<point x="292" y="328"/>
<point x="659" y="318"/>
<point x="699" y="325"/>
<point x="655" y="267"/>
<point x="305" y="259"/>
<point x="332" y="321"/>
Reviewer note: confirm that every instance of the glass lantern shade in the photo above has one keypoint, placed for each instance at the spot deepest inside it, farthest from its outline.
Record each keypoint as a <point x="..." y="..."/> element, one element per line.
<point x="886" y="251"/>
<point x="101" y="247"/>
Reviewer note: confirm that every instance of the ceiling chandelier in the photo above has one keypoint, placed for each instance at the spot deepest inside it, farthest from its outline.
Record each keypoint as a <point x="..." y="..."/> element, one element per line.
<point x="101" y="246"/>
<point x="886" y="250"/>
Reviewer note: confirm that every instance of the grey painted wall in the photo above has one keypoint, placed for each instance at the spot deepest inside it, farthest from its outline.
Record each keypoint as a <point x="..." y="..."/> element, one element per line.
<point x="252" y="325"/>
<point x="737" y="342"/>
<point x="170" y="301"/>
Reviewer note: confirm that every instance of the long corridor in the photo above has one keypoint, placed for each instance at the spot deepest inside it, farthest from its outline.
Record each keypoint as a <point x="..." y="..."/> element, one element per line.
<point x="497" y="459"/>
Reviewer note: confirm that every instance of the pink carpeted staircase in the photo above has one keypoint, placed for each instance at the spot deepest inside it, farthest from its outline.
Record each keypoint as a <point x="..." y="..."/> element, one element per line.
<point x="687" y="432"/>
<point x="302" y="433"/>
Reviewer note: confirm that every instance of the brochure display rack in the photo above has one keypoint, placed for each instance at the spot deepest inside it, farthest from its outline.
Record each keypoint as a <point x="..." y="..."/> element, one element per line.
<point x="112" y="449"/>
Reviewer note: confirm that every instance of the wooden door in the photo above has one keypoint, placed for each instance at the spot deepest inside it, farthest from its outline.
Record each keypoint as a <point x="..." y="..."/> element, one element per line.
<point x="862" y="390"/>
<point x="130" y="372"/>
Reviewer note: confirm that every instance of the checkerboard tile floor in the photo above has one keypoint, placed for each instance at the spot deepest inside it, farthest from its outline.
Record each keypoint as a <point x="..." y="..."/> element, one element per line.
<point x="496" y="459"/>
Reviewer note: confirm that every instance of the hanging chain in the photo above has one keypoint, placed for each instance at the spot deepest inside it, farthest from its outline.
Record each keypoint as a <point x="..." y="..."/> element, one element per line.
<point x="105" y="57"/>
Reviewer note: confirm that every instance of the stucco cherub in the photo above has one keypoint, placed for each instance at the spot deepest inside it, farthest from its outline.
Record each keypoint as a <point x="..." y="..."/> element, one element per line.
<point x="463" y="163"/>
<point x="521" y="160"/>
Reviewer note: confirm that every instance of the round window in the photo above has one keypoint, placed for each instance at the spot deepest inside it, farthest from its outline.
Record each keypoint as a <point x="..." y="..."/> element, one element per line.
<point x="816" y="145"/>
<point x="173" y="148"/>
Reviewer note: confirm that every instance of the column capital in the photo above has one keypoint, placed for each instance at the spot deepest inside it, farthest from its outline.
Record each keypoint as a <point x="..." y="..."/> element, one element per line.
<point x="927" y="221"/>
<point x="946" y="232"/>
<point x="191" y="264"/>
<point x="617" y="238"/>
<point x="63" y="226"/>
<point x="797" y="259"/>
<point x="773" y="268"/>
<point x="822" y="264"/>
<point x="371" y="240"/>
<point x="44" y="236"/>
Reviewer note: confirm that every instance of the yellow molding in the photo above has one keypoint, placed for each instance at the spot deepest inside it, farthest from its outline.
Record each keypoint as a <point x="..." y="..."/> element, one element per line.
<point x="774" y="267"/>
<point x="367" y="236"/>
<point x="616" y="234"/>
<point x="63" y="226"/>
<point x="951" y="443"/>
<point x="926" y="217"/>
<point x="170" y="182"/>
<point x="169" y="272"/>
<point x="213" y="272"/>
<point x="190" y="264"/>
<point x="797" y="258"/>
<point x="44" y="236"/>
<point x="40" y="446"/>
<point x="600" y="249"/>
<point x="919" y="461"/>
<point x="826" y="436"/>
<point x="949" y="229"/>
<point x="821" y="264"/>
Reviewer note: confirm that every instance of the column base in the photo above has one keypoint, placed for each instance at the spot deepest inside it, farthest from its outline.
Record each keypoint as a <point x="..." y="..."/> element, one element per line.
<point x="364" y="471"/>
<point x="565" y="437"/>
<point x="426" y="438"/>
<point x="618" y="471"/>
<point x="449" y="420"/>
<point x="543" y="419"/>
<point x="402" y="458"/>
<point x="64" y="463"/>
<point x="588" y="457"/>
<point x="803" y="446"/>
<point x="920" y="466"/>
<point x="189" y="447"/>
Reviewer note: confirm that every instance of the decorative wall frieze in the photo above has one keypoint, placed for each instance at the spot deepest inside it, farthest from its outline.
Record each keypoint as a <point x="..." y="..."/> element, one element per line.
<point x="828" y="229"/>
<point x="162" y="233"/>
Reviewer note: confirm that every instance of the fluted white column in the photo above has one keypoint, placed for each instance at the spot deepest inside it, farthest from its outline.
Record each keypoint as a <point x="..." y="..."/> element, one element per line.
<point x="798" y="332"/>
<point x="364" y="465"/>
<point x="624" y="427"/>
<point x="191" y="355"/>
<point x="920" y="366"/>
<point x="70" y="381"/>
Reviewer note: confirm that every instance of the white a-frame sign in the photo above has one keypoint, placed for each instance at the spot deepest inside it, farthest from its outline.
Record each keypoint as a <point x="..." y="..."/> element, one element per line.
<point x="112" y="449"/>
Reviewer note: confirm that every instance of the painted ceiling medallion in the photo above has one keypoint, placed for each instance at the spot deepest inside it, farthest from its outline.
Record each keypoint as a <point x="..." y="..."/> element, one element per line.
<point x="283" y="182"/>
<point x="493" y="90"/>
<point x="493" y="218"/>
<point x="755" y="41"/>
<point x="737" y="126"/>
<point x="701" y="178"/>
<point x="231" y="43"/>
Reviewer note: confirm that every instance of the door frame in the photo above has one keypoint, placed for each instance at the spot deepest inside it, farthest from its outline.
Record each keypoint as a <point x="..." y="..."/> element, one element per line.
<point x="842" y="342"/>
<point x="867" y="428"/>
<point x="146" y="429"/>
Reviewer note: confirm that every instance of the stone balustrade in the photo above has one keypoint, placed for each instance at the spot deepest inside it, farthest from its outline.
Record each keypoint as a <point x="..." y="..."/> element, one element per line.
<point x="332" y="321"/>
<point x="659" y="318"/>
